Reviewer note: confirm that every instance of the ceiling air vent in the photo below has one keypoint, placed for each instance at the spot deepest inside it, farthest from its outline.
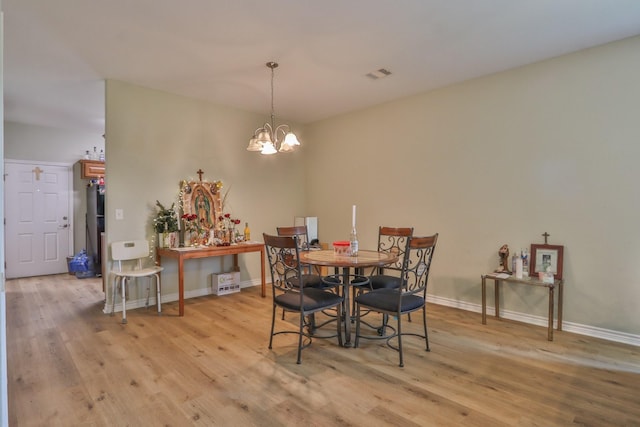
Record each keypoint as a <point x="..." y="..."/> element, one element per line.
<point x="378" y="74"/>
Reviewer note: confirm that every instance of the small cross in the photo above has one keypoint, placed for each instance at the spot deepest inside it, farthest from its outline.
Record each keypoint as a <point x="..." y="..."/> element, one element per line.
<point x="200" y="172"/>
<point x="38" y="171"/>
<point x="545" y="237"/>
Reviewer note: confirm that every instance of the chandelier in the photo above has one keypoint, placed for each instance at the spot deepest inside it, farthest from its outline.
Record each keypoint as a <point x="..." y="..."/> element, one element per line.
<point x="269" y="139"/>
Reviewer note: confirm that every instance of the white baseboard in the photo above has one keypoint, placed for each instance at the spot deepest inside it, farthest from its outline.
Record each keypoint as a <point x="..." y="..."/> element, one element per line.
<point x="141" y="302"/>
<point x="577" y="328"/>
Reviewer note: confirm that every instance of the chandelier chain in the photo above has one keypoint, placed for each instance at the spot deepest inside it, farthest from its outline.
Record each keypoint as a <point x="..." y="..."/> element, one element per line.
<point x="273" y="115"/>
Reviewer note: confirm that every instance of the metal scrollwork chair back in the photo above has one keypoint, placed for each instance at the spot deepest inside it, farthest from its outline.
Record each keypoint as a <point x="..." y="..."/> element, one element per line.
<point x="393" y="240"/>
<point x="409" y="297"/>
<point x="283" y="253"/>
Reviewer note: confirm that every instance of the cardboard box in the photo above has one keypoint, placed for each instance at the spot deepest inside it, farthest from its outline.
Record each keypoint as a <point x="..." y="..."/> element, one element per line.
<point x="225" y="283"/>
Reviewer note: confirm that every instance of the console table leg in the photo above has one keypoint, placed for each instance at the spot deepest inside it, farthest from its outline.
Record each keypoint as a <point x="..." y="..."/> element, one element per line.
<point x="484" y="300"/>
<point x="560" y="306"/>
<point x="497" y="297"/>
<point x="550" y="333"/>
<point x="180" y="286"/>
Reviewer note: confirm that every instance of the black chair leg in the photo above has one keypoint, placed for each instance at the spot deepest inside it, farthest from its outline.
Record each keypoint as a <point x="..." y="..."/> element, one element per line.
<point x="400" y="340"/>
<point x="273" y="323"/>
<point x="300" y="333"/>
<point x="424" y="321"/>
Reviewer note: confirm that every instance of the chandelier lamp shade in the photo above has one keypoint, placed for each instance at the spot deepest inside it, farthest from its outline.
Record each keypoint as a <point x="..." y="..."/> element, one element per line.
<point x="269" y="138"/>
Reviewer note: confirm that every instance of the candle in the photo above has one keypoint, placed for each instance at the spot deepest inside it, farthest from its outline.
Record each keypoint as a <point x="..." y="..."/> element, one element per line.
<point x="178" y="216"/>
<point x="353" y="217"/>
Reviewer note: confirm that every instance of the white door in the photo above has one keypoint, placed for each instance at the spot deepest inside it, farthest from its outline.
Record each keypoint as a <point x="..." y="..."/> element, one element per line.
<point x="37" y="220"/>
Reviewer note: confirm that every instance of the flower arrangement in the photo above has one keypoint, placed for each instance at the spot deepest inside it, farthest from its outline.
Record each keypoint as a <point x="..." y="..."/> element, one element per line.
<point x="227" y="222"/>
<point x="190" y="223"/>
<point x="226" y="230"/>
<point x="194" y="226"/>
<point x="166" y="220"/>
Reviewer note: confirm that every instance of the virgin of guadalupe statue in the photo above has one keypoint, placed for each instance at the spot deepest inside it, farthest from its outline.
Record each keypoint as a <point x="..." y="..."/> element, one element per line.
<point x="203" y="208"/>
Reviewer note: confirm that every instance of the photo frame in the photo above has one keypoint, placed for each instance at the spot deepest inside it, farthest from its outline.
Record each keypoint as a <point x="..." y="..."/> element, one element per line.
<point x="540" y="254"/>
<point x="202" y="198"/>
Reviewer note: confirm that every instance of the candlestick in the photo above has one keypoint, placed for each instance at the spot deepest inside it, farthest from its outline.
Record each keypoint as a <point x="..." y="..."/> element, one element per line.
<point x="353" y="217"/>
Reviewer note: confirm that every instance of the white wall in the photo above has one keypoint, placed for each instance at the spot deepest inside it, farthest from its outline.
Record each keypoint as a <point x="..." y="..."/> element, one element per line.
<point x="48" y="144"/>
<point x="550" y="147"/>
<point x="4" y="399"/>
<point x="55" y="145"/>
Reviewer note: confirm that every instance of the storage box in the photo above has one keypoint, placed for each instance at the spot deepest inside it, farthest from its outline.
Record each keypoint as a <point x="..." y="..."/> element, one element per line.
<point x="225" y="283"/>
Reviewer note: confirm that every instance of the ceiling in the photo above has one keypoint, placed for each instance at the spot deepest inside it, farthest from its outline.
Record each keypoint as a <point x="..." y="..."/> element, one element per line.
<point x="57" y="54"/>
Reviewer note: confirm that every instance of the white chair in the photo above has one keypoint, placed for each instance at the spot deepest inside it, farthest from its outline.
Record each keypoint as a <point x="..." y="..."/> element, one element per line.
<point x="132" y="250"/>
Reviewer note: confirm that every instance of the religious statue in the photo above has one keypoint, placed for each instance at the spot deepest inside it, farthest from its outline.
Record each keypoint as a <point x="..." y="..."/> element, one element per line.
<point x="504" y="260"/>
<point x="202" y="205"/>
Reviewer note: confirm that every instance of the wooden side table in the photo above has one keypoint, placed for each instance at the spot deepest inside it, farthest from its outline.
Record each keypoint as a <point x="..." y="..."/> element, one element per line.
<point x="531" y="281"/>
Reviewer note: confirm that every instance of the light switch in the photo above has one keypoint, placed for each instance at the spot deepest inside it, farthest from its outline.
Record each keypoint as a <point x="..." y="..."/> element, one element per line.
<point x="119" y="214"/>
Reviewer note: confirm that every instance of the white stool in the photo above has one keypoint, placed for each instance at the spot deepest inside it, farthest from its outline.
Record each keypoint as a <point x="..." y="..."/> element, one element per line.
<point x="132" y="250"/>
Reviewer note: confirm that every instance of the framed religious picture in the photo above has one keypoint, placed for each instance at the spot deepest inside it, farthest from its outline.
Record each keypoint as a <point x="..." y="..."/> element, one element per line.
<point x="546" y="255"/>
<point x="202" y="199"/>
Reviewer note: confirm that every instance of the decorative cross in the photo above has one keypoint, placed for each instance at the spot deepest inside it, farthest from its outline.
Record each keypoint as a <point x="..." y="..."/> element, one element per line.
<point x="545" y="237"/>
<point x="37" y="171"/>
<point x="200" y="172"/>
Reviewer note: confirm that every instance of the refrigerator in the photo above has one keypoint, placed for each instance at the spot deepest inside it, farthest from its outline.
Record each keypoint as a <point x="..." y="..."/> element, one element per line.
<point x="95" y="225"/>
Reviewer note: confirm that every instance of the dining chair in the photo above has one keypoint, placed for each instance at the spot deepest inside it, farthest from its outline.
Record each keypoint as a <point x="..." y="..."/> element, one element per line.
<point x="394" y="240"/>
<point x="410" y="296"/>
<point x="309" y="279"/>
<point x="283" y="253"/>
<point x="129" y="257"/>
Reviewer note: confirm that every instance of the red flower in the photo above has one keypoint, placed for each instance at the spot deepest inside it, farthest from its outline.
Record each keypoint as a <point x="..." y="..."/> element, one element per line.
<point x="227" y="215"/>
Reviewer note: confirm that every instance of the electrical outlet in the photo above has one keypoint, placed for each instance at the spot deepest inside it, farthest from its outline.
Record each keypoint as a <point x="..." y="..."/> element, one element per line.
<point x="119" y="214"/>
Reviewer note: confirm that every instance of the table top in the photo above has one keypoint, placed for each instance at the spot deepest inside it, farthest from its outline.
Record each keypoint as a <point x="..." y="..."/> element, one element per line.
<point x="329" y="258"/>
<point x="527" y="280"/>
<point x="201" y="251"/>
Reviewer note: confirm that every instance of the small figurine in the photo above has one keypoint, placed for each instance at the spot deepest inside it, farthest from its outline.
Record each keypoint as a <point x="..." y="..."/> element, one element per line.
<point x="504" y="260"/>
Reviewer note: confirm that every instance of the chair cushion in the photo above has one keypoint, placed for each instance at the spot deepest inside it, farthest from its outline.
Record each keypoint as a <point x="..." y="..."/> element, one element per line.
<point x="360" y="281"/>
<point x="308" y="281"/>
<point x="313" y="300"/>
<point x="387" y="300"/>
<point x="382" y="281"/>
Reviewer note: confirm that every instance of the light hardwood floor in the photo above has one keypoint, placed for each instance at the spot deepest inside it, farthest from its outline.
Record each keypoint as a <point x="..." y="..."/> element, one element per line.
<point x="71" y="365"/>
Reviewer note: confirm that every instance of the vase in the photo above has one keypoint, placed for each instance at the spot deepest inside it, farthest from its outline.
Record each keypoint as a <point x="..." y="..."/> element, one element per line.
<point x="170" y="239"/>
<point x="160" y="240"/>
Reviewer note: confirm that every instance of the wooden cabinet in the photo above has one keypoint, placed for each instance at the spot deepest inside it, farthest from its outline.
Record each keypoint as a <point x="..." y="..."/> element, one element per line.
<point x="91" y="169"/>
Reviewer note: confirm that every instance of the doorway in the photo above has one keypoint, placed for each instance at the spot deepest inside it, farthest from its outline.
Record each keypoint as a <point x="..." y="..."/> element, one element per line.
<point x="38" y="218"/>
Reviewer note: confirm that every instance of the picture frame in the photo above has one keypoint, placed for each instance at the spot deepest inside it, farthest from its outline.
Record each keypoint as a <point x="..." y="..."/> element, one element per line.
<point x="540" y="254"/>
<point x="202" y="198"/>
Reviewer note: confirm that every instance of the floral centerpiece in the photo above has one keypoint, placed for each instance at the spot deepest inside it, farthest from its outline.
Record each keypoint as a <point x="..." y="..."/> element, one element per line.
<point x="194" y="227"/>
<point x="165" y="223"/>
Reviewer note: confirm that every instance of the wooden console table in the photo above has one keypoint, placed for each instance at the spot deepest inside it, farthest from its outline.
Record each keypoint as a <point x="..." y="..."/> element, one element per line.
<point x="531" y="281"/>
<point x="182" y="254"/>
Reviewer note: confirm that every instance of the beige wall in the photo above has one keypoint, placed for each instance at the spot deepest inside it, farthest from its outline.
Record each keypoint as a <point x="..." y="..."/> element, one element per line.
<point x="501" y="159"/>
<point x="155" y="140"/>
<point x="551" y="147"/>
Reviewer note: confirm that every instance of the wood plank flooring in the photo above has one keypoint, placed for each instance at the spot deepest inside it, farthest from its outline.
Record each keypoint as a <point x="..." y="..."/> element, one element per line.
<point x="71" y="365"/>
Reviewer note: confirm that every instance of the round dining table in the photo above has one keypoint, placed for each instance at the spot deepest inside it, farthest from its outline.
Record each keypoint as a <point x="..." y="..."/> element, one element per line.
<point x="364" y="259"/>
